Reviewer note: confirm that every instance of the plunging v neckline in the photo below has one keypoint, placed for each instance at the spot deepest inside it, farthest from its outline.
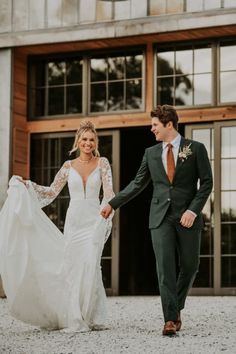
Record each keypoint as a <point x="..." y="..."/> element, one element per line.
<point x="77" y="172"/>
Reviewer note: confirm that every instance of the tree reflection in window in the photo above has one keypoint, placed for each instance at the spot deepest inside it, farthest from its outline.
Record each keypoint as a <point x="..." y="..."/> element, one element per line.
<point x="56" y="87"/>
<point x="116" y="83"/>
<point x="184" y="76"/>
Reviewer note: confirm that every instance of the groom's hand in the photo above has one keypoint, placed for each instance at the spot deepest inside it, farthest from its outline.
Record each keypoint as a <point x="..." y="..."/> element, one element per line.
<point x="106" y="211"/>
<point x="187" y="219"/>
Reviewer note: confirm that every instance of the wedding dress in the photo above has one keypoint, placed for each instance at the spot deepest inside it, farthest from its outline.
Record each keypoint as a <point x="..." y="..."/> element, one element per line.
<point x="53" y="280"/>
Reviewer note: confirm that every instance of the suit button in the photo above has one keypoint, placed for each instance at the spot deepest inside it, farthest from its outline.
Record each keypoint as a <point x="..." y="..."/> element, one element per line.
<point x="168" y="199"/>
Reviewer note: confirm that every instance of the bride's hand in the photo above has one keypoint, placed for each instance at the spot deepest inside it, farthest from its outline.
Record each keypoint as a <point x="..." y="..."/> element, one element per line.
<point x="106" y="211"/>
<point x="22" y="180"/>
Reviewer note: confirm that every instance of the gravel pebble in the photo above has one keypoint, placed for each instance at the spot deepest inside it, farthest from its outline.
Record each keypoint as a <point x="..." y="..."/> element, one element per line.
<point x="134" y="326"/>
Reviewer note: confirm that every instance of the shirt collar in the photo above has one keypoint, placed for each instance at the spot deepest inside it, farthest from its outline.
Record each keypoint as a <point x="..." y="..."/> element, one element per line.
<point x="175" y="142"/>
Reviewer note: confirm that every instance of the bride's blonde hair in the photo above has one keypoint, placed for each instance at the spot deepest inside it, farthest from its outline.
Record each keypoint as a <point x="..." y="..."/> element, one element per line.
<point x="85" y="126"/>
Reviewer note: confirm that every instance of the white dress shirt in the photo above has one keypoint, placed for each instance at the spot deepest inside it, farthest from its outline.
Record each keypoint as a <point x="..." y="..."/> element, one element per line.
<point x="175" y="143"/>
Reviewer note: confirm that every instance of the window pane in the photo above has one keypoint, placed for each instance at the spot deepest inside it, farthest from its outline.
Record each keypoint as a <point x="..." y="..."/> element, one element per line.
<point x="134" y="66"/>
<point x="56" y="73"/>
<point x="228" y="238"/>
<point x="204" y="136"/>
<point x="98" y="69"/>
<point x="106" y="272"/>
<point x="228" y="173"/>
<point x="37" y="153"/>
<point x="116" y="96"/>
<point x="202" y="89"/>
<point x="134" y="94"/>
<point x="228" y="206"/>
<point x="53" y="150"/>
<point x="107" y="248"/>
<point x="165" y="63"/>
<point x="74" y="99"/>
<point x="184" y="62"/>
<point x="228" y="57"/>
<point x="207" y="240"/>
<point x="63" y="204"/>
<point x="204" y="278"/>
<point x="228" y="142"/>
<point x="74" y="71"/>
<point x="38" y="102"/>
<point x="207" y="211"/>
<point x="227" y="87"/>
<point x="116" y="68"/>
<point x="56" y="101"/>
<point x="98" y="98"/>
<point x="184" y="90"/>
<point x="39" y="72"/>
<point x="228" y="271"/>
<point x="202" y="60"/>
<point x="165" y="91"/>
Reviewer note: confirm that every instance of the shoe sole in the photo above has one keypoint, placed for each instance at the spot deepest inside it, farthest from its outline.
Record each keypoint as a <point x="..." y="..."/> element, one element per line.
<point x="168" y="333"/>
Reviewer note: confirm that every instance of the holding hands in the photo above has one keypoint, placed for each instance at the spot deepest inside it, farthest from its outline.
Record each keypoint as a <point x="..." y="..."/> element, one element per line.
<point x="106" y="211"/>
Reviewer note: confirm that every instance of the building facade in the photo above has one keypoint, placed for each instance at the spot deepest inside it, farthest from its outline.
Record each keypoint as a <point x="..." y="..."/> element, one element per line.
<point x="112" y="61"/>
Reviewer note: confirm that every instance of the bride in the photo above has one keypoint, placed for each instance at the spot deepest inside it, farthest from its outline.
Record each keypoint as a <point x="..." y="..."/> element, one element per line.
<point x="53" y="280"/>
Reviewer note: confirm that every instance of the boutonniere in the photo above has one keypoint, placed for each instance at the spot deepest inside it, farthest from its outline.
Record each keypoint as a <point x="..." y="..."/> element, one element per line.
<point x="185" y="152"/>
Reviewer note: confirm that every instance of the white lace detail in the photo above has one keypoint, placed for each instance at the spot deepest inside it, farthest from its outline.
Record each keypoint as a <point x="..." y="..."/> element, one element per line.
<point x="108" y="192"/>
<point x="47" y="194"/>
<point x="107" y="185"/>
<point x="53" y="280"/>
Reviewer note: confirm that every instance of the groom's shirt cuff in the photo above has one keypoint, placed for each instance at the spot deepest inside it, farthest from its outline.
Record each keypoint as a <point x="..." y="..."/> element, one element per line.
<point x="192" y="212"/>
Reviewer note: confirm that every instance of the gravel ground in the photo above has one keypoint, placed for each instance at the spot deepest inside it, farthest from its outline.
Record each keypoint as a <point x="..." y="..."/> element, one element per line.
<point x="135" y="325"/>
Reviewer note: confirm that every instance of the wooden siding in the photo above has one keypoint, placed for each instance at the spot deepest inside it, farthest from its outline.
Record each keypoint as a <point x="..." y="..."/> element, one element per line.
<point x="22" y="128"/>
<point x="21" y="143"/>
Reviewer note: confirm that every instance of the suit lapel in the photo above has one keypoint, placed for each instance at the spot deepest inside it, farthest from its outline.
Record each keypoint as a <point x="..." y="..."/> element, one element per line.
<point x="179" y="162"/>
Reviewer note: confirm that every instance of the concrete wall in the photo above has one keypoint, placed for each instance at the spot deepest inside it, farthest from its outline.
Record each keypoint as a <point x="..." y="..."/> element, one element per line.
<point x="5" y="120"/>
<point x="5" y="126"/>
<point x="27" y="15"/>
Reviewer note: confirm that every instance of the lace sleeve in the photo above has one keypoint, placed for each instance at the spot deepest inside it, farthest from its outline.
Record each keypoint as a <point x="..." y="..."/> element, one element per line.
<point x="108" y="193"/>
<point x="47" y="194"/>
<point x="107" y="185"/>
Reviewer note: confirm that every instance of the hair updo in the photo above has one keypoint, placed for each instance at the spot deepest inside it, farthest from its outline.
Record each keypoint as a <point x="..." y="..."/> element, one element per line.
<point x="85" y="126"/>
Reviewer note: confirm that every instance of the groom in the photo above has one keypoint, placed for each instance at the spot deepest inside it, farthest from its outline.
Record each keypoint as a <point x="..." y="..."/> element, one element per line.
<point x="175" y="167"/>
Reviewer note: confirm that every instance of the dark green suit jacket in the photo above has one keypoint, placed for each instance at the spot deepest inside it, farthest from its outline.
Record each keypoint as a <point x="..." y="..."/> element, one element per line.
<point x="184" y="192"/>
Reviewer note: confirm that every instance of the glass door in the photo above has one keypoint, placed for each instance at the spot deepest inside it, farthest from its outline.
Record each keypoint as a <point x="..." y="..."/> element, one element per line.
<point x="48" y="152"/>
<point x="217" y="272"/>
<point x="205" y="277"/>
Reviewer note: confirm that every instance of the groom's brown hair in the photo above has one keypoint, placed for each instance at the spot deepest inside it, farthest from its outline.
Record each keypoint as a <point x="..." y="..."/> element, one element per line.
<point x="166" y="114"/>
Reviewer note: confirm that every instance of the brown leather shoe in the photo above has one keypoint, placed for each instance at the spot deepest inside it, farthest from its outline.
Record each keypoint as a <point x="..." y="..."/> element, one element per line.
<point x="178" y="323"/>
<point x="169" y="328"/>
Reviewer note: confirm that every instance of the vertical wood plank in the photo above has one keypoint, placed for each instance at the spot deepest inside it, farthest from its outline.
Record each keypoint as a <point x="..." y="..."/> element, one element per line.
<point x="157" y="7"/>
<point x="138" y="8"/>
<point x="20" y="15"/>
<point x="5" y="15"/>
<point x="103" y="10"/>
<point x="87" y="10"/>
<point x="36" y="14"/>
<point x="122" y="10"/>
<point x="69" y="12"/>
<point x="175" y="6"/>
<point x="193" y="5"/>
<point x="21" y="142"/>
<point x="54" y="13"/>
<point x="149" y="77"/>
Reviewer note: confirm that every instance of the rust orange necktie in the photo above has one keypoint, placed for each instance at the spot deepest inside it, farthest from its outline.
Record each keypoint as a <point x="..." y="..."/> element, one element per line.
<point x="170" y="163"/>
